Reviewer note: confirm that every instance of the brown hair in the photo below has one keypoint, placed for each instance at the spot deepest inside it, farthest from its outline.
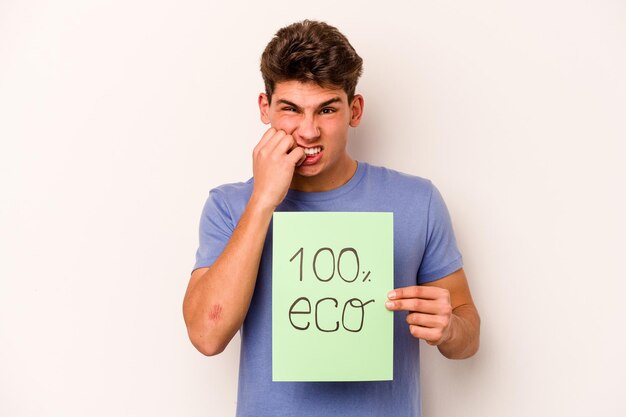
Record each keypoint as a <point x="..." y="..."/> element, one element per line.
<point x="311" y="51"/>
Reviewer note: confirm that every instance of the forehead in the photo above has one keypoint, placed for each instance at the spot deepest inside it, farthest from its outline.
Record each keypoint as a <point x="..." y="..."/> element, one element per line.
<point x="306" y="94"/>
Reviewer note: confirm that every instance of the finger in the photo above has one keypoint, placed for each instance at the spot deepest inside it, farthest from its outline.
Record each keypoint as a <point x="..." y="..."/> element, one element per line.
<point x="269" y="141"/>
<point x="420" y="305"/>
<point x="266" y="137"/>
<point x="276" y="140"/>
<point x="285" y="144"/>
<point x="427" y="320"/>
<point x="297" y="156"/>
<point x="301" y="161"/>
<point x="416" y="291"/>
<point x="432" y="336"/>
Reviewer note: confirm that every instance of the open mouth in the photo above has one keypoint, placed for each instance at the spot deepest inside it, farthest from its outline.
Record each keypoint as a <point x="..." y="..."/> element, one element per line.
<point x="312" y="155"/>
<point x="312" y="151"/>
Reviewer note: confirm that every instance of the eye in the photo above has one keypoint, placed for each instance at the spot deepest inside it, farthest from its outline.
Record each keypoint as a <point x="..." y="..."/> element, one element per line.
<point x="328" y="110"/>
<point x="289" y="109"/>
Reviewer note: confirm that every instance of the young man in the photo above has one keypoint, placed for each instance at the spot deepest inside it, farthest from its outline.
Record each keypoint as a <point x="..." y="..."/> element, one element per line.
<point x="301" y="164"/>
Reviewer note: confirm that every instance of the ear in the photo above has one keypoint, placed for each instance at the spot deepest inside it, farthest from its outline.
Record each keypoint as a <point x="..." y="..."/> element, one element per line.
<point x="356" y="110"/>
<point x="264" y="108"/>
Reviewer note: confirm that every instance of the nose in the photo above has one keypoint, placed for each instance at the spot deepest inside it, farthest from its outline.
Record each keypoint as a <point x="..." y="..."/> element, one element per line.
<point x="308" y="130"/>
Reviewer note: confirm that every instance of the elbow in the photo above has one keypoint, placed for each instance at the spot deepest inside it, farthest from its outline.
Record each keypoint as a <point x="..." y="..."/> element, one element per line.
<point x="209" y="336"/>
<point x="207" y="343"/>
<point x="208" y="347"/>
<point x="204" y="339"/>
<point x="207" y="340"/>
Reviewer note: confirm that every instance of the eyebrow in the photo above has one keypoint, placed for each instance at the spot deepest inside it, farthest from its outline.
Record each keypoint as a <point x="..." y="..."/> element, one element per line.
<point x="324" y="104"/>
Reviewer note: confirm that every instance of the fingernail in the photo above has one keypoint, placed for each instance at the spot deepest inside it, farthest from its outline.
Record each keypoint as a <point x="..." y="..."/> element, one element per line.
<point x="389" y="304"/>
<point x="391" y="295"/>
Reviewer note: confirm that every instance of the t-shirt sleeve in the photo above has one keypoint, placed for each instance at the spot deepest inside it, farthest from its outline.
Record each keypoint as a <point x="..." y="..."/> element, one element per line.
<point x="216" y="228"/>
<point x="441" y="256"/>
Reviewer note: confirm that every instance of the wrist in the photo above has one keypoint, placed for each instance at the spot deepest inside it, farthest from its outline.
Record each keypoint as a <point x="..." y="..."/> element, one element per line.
<point x="462" y="340"/>
<point x="262" y="204"/>
<point x="450" y="332"/>
<point x="447" y="334"/>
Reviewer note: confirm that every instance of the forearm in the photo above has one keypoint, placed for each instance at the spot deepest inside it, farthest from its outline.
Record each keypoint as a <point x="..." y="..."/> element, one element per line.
<point x="464" y="334"/>
<point x="216" y="303"/>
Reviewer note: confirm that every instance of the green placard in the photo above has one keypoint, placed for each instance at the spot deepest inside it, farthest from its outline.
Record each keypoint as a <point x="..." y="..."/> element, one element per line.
<point x="330" y="278"/>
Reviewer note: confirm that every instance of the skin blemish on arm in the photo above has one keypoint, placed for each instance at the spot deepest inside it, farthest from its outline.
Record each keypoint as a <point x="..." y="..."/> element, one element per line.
<point x="216" y="312"/>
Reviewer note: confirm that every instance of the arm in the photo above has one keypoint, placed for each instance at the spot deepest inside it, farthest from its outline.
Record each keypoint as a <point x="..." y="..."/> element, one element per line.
<point x="442" y="313"/>
<point x="217" y="298"/>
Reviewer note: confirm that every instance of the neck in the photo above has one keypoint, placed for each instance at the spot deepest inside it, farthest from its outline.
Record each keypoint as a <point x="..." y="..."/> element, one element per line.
<point x="326" y="181"/>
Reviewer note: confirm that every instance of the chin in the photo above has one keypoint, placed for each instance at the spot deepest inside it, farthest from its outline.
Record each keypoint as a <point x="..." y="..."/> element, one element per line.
<point x="307" y="170"/>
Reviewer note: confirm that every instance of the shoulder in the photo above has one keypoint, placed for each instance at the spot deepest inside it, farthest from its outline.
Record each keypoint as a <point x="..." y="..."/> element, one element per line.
<point x="229" y="199"/>
<point x="394" y="180"/>
<point x="232" y="191"/>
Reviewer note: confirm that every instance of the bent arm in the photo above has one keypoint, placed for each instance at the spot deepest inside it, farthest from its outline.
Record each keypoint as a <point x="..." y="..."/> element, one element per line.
<point x="218" y="298"/>
<point x="442" y="313"/>
<point x="463" y="333"/>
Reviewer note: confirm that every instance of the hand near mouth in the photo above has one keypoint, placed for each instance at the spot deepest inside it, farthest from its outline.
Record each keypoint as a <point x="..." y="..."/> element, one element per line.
<point x="274" y="161"/>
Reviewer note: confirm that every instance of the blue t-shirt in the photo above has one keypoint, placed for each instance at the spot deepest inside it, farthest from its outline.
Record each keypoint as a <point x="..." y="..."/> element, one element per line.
<point x="425" y="250"/>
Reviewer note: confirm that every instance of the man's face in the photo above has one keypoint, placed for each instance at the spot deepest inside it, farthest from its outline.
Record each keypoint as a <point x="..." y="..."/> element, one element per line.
<point x="318" y="118"/>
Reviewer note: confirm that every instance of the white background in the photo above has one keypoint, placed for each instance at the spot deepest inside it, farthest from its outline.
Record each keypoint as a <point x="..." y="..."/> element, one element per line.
<point x="117" y="117"/>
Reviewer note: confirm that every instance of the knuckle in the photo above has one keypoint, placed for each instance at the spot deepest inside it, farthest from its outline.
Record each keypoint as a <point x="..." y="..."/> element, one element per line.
<point x="410" y="292"/>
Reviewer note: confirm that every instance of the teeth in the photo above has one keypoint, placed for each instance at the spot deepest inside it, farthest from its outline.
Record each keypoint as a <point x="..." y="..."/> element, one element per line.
<point x="312" y="151"/>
